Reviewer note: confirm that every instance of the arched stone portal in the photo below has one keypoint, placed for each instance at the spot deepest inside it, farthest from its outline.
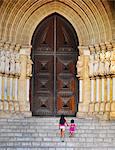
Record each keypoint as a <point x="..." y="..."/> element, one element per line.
<point x="54" y="84"/>
<point x="93" y="22"/>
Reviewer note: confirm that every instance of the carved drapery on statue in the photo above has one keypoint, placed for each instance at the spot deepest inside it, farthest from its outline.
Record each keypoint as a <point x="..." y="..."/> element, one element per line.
<point x="96" y="64"/>
<point x="9" y="62"/>
<point x="79" y="67"/>
<point x="107" y="62"/>
<point x="102" y="61"/>
<point x="29" y="67"/>
<point x="112" y="65"/>
<point x="91" y="65"/>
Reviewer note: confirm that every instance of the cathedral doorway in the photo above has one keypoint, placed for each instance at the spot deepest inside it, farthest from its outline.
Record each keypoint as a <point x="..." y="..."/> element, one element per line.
<point x="54" y="86"/>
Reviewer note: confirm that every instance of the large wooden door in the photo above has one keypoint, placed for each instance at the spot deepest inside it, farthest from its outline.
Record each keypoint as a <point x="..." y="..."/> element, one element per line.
<point x="54" y="84"/>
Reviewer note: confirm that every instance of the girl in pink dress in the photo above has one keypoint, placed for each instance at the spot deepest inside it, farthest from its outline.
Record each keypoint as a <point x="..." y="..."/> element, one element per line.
<point x="72" y="128"/>
<point x="62" y="124"/>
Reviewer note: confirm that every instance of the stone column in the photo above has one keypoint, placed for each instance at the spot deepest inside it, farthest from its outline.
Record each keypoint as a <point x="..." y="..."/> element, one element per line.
<point x="10" y="87"/>
<point x="92" y="80"/>
<point x="109" y="96"/>
<point x="1" y="101"/>
<point x="83" y="73"/>
<point x="103" y="99"/>
<point x="97" y="80"/>
<point x="22" y="86"/>
<point x="108" y="80"/>
<point x="6" y="102"/>
<point x="112" y="70"/>
<point x="112" y="113"/>
<point x="98" y="95"/>
<point x="103" y="80"/>
<point x="15" y="87"/>
<point x="92" y="95"/>
<point x="80" y="90"/>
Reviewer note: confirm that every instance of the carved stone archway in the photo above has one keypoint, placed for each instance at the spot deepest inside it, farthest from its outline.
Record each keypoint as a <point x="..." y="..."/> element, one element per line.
<point x="95" y="30"/>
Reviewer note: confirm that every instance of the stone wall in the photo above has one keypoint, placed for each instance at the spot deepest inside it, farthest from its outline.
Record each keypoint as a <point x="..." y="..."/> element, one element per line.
<point x="97" y="85"/>
<point x="15" y="72"/>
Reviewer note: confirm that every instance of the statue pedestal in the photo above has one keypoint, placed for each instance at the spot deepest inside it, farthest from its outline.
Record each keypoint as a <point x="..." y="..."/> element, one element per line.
<point x="102" y="107"/>
<point x="91" y="107"/>
<point x="97" y="107"/>
<point x="83" y="110"/>
<point x="112" y="113"/>
<point x="11" y="106"/>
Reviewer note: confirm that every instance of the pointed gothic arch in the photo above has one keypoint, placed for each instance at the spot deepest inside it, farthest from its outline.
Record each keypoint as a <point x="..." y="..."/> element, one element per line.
<point x="54" y="86"/>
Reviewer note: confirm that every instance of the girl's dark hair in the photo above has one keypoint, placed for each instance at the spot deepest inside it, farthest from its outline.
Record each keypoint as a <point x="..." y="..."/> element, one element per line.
<point x="72" y="121"/>
<point x="62" y="116"/>
<point x="62" y="120"/>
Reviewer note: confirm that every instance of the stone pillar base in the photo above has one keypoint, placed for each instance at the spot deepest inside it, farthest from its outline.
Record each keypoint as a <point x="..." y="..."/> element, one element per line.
<point x="112" y="115"/>
<point x="16" y="106"/>
<point x="83" y="107"/>
<point x="7" y="114"/>
<point x="91" y="107"/>
<point x="82" y="115"/>
<point x="108" y="107"/>
<point x="97" y="107"/>
<point x="83" y="110"/>
<point x="102" y="107"/>
<point x="104" y="115"/>
<point x="1" y="105"/>
<point x="5" y="105"/>
<point x="11" y="106"/>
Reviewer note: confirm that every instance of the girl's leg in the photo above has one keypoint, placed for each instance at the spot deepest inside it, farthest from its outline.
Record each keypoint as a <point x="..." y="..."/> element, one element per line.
<point x="62" y="134"/>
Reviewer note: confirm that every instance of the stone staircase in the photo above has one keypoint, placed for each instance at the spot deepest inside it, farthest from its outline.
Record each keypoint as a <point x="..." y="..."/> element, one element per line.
<point x="37" y="133"/>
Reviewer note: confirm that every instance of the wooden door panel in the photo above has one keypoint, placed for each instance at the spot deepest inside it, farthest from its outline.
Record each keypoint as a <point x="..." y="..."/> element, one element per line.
<point x="54" y="57"/>
<point x="65" y="85"/>
<point x="43" y="80"/>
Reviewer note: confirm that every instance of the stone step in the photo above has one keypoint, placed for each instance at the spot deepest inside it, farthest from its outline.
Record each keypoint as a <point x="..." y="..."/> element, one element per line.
<point x="43" y="133"/>
<point x="56" y="145"/>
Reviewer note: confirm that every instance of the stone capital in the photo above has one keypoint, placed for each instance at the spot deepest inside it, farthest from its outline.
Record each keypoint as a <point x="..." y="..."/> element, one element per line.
<point x="109" y="46"/>
<point x="6" y="46"/>
<point x="97" y="47"/>
<point x="113" y="45"/>
<point x="1" y="44"/>
<point x="25" y="50"/>
<point x="103" y="46"/>
<point x="12" y="47"/>
<point x="92" y="49"/>
<point x="84" y="50"/>
<point x="17" y="47"/>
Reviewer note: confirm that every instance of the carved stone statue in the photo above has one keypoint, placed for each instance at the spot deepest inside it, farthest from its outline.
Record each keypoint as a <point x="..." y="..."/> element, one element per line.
<point x="7" y="62"/>
<point x="2" y="61"/>
<point x="112" y="65"/>
<point x="91" y="65"/>
<point x="107" y="62"/>
<point x="96" y="64"/>
<point x="17" y="63"/>
<point x="79" y="67"/>
<point x="29" y="67"/>
<point x="12" y="63"/>
<point x="102" y="63"/>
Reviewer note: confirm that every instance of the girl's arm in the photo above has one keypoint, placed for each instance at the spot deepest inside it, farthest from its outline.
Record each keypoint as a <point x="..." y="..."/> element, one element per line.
<point x="66" y="123"/>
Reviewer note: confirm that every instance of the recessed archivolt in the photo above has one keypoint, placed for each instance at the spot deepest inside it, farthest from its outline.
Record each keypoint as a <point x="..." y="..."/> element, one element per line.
<point x="23" y="14"/>
<point x="21" y="19"/>
<point x="41" y="13"/>
<point x="3" y="14"/>
<point x="105" y="20"/>
<point x="12" y="16"/>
